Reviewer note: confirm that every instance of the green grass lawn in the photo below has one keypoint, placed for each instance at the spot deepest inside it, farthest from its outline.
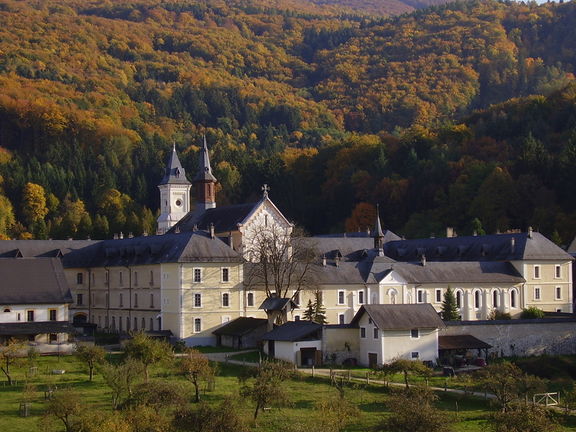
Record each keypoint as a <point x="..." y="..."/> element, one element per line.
<point x="470" y="414"/>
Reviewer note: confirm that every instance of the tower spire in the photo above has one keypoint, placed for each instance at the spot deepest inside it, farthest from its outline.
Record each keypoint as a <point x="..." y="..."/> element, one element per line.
<point x="378" y="234"/>
<point x="204" y="182"/>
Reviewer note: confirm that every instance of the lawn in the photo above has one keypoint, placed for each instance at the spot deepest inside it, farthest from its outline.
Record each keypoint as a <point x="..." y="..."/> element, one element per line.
<point x="470" y="414"/>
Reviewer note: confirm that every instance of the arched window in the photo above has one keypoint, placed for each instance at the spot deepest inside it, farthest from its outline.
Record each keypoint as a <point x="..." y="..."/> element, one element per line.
<point x="6" y="310"/>
<point x="513" y="298"/>
<point x="476" y="299"/>
<point x="495" y="299"/>
<point x="459" y="299"/>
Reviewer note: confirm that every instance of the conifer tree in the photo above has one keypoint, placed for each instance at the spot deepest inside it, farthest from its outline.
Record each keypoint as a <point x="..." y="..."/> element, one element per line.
<point x="309" y="312"/>
<point x="319" y="309"/>
<point x="449" y="308"/>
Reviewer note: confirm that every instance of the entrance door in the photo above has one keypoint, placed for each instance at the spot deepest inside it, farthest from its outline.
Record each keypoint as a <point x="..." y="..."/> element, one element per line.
<point x="372" y="360"/>
<point x="271" y="350"/>
<point x="308" y="356"/>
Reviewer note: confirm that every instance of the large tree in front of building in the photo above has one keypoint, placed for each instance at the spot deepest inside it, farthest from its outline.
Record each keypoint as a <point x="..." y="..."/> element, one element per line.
<point x="283" y="263"/>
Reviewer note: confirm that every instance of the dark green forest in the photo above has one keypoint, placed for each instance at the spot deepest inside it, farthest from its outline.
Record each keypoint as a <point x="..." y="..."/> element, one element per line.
<point x="460" y="115"/>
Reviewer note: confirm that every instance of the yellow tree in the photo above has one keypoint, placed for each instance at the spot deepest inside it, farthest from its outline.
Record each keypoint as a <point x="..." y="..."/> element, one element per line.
<point x="34" y="207"/>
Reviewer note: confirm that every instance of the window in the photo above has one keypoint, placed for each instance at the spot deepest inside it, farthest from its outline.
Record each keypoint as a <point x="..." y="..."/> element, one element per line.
<point x="151" y="300"/>
<point x="79" y="299"/>
<point x="558" y="272"/>
<point x="135" y="323"/>
<point x="19" y="317"/>
<point x="296" y="317"/>
<point x="121" y="302"/>
<point x="360" y="297"/>
<point x="558" y="293"/>
<point x="438" y="295"/>
<point x="363" y="332"/>
<point x="513" y="298"/>
<point x="52" y="314"/>
<point x="476" y="299"/>
<point x="376" y="333"/>
<point x="151" y="277"/>
<point x="121" y="277"/>
<point x="135" y="300"/>
<point x="197" y="325"/>
<point x="143" y="324"/>
<point x="225" y="274"/>
<point x="415" y="355"/>
<point x="459" y="299"/>
<point x="197" y="275"/>
<point x="30" y="315"/>
<point x="415" y="333"/>
<point x="420" y="296"/>
<point x="536" y="293"/>
<point x="79" y="278"/>
<point x="225" y="299"/>
<point x="536" y="272"/>
<point x="7" y="310"/>
<point x="197" y="300"/>
<point x="341" y="297"/>
<point x="53" y="338"/>
<point x="495" y="299"/>
<point x="341" y="318"/>
<point x="250" y="299"/>
<point x="135" y="278"/>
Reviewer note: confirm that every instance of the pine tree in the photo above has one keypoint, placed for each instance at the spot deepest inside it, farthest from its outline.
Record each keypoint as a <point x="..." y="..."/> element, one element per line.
<point x="319" y="310"/>
<point x="449" y="308"/>
<point x="309" y="312"/>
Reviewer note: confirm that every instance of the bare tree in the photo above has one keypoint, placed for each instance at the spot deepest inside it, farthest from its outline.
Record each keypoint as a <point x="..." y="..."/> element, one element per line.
<point x="10" y="355"/>
<point x="196" y="367"/>
<point x="282" y="263"/>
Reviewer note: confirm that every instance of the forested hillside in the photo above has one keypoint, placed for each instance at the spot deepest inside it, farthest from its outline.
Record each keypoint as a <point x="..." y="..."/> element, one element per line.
<point x="460" y="115"/>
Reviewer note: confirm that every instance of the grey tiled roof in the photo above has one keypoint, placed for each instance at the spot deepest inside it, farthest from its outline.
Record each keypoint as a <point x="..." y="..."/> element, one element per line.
<point x="276" y="303"/>
<point x="457" y="342"/>
<point x="33" y="281"/>
<point x="401" y="316"/>
<point x="496" y="247"/>
<point x="295" y="331"/>
<point x="240" y="326"/>
<point x="177" y="248"/>
<point x="36" y="327"/>
<point x="225" y="219"/>
<point x="41" y="248"/>
<point x="458" y="272"/>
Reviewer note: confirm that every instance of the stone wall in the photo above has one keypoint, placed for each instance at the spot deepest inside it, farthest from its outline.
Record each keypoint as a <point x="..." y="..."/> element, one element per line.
<point x="520" y="337"/>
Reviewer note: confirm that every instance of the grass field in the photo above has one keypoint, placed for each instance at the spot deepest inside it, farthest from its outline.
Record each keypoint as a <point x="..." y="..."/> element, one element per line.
<point x="469" y="414"/>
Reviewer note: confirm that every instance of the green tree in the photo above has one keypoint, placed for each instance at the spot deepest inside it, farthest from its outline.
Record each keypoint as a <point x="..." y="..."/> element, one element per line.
<point x="449" y="310"/>
<point x="413" y="411"/>
<point x="407" y="368"/>
<point x="66" y="406"/>
<point x="121" y="379"/>
<point x="147" y="350"/>
<point x="532" y="312"/>
<point x="6" y="217"/>
<point x="223" y="417"/>
<point x="309" y="312"/>
<point x="319" y="309"/>
<point x="10" y="356"/>
<point x="92" y="356"/>
<point x="267" y="388"/>
<point x="523" y="418"/>
<point x="196" y="367"/>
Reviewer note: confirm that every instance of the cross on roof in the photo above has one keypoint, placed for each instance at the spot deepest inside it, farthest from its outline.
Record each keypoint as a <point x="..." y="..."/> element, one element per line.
<point x="265" y="190"/>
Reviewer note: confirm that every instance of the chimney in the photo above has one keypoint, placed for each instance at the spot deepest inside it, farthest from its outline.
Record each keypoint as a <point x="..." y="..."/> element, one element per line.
<point x="121" y="236"/>
<point x="368" y="231"/>
<point x="474" y="233"/>
<point x="530" y="232"/>
<point x="130" y="235"/>
<point x="145" y="233"/>
<point x="323" y="260"/>
<point x="449" y="232"/>
<point x="337" y="261"/>
<point x="177" y="230"/>
<point x="211" y="230"/>
<point x="423" y="260"/>
<point x="512" y="244"/>
<point x="115" y="236"/>
<point x="230" y="240"/>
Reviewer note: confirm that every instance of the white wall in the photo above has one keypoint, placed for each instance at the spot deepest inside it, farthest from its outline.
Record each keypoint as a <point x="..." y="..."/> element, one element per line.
<point x="400" y="344"/>
<point x="40" y="312"/>
<point x="369" y="344"/>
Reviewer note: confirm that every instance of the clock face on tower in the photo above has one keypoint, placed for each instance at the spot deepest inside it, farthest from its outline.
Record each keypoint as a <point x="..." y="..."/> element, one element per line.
<point x="178" y="203"/>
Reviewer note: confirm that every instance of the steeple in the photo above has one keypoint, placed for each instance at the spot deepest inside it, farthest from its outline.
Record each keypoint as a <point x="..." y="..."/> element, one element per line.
<point x="378" y="234"/>
<point x="174" y="193"/>
<point x="174" y="173"/>
<point x="204" y="182"/>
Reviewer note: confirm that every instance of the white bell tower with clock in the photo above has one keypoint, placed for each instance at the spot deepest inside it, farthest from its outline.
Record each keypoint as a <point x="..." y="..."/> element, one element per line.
<point x="174" y="194"/>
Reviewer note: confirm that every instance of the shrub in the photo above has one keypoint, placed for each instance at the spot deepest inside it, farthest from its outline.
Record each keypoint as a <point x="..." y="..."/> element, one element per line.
<point x="531" y="313"/>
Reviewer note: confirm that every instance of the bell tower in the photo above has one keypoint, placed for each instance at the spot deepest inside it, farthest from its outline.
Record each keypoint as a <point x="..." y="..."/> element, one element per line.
<point x="174" y="194"/>
<point x="204" y="183"/>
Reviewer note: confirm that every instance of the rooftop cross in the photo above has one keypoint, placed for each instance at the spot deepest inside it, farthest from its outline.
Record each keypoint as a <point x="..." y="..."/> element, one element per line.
<point x="265" y="190"/>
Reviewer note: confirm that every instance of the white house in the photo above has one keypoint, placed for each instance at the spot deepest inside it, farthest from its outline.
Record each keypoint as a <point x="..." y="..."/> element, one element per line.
<point x="389" y="332"/>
